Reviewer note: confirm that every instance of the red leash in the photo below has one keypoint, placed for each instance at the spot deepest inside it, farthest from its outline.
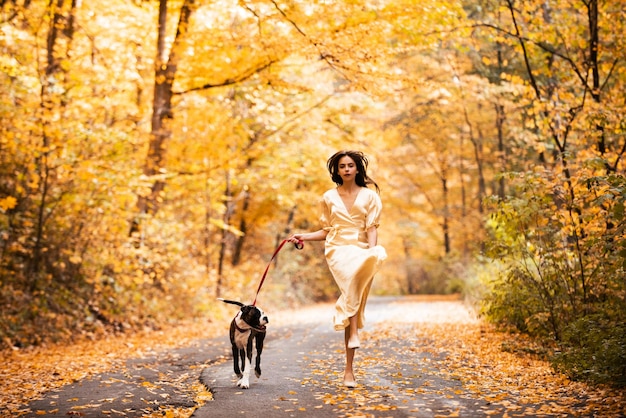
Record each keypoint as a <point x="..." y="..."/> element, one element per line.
<point x="299" y="245"/>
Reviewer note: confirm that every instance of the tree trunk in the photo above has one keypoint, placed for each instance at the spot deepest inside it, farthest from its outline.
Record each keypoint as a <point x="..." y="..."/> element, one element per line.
<point x="165" y="74"/>
<point x="228" y="208"/>
<point x="446" y="215"/>
<point x="243" y="227"/>
<point x="594" y="41"/>
<point x="501" y="151"/>
<point x="61" y="29"/>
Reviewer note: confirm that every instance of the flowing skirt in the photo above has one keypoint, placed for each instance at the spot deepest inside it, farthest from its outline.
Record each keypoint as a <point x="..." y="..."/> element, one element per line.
<point x="353" y="269"/>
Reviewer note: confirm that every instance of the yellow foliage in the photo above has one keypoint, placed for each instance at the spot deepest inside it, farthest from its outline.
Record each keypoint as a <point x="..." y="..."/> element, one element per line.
<point x="7" y="203"/>
<point x="436" y="92"/>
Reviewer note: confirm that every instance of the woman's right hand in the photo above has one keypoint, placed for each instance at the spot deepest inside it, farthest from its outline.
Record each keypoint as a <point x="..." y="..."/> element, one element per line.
<point x="298" y="240"/>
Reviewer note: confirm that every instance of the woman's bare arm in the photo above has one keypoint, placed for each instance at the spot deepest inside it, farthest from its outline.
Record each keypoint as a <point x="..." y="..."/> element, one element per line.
<point x="308" y="236"/>
<point x="372" y="236"/>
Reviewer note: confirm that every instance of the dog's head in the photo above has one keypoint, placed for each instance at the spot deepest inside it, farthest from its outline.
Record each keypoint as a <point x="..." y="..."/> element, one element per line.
<point x="250" y="314"/>
<point x="254" y="316"/>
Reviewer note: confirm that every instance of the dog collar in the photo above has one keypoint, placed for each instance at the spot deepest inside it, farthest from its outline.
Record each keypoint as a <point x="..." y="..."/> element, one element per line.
<point x="241" y="329"/>
<point x="238" y="328"/>
<point x="258" y="329"/>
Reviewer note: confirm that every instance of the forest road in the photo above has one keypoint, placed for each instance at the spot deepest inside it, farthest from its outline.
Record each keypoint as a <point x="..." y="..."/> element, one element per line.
<point x="398" y="372"/>
<point x="303" y="362"/>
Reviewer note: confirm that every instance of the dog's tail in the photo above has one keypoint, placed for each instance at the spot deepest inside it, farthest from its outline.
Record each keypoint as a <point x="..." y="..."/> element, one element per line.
<point x="232" y="302"/>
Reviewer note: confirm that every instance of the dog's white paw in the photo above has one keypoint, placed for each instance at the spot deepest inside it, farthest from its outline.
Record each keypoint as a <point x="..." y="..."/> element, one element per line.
<point x="243" y="383"/>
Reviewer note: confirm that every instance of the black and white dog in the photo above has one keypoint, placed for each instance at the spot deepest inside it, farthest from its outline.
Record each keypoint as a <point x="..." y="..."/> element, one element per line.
<point x="246" y="327"/>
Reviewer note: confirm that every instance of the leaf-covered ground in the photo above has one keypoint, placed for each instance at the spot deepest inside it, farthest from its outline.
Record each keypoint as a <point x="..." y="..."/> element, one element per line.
<point x="429" y="369"/>
<point x="27" y="374"/>
<point x="431" y="366"/>
<point x="438" y="359"/>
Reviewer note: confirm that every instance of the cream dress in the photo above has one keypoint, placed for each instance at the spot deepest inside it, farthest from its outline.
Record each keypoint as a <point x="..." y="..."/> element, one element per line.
<point x="351" y="261"/>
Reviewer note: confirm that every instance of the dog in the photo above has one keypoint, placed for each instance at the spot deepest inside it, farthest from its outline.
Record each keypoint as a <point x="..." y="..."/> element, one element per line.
<point x="248" y="326"/>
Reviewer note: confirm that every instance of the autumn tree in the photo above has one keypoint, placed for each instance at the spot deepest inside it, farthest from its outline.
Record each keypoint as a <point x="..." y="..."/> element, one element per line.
<point x="209" y="134"/>
<point x="559" y="229"/>
<point x="57" y="190"/>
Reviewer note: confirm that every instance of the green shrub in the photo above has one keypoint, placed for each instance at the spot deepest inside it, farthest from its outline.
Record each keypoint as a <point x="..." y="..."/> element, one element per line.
<point x="562" y="272"/>
<point x="594" y="349"/>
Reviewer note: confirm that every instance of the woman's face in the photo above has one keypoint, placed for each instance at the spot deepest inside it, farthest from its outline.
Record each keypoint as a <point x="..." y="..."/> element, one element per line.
<point x="347" y="169"/>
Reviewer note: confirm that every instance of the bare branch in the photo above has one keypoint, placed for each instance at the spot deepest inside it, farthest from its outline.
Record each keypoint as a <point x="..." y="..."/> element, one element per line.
<point x="230" y="81"/>
<point x="324" y="56"/>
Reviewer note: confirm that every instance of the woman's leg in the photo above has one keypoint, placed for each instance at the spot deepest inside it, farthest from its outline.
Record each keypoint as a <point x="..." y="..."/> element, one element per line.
<point x="348" y="375"/>
<point x="353" y="337"/>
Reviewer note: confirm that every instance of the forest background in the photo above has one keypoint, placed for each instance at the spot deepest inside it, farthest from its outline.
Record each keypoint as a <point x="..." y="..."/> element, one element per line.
<point x="154" y="154"/>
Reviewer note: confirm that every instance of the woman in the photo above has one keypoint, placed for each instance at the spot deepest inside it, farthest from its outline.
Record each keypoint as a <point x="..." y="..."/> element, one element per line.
<point x="350" y="218"/>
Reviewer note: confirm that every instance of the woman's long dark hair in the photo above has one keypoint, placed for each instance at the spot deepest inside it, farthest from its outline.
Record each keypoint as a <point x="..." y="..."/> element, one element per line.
<point x="361" y="164"/>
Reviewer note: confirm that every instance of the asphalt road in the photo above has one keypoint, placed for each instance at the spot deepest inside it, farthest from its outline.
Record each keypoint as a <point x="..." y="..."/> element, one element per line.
<point x="302" y="367"/>
<point x="303" y="364"/>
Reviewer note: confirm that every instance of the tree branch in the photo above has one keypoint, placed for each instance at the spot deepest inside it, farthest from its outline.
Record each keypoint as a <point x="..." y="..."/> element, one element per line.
<point x="324" y="56"/>
<point x="229" y="81"/>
